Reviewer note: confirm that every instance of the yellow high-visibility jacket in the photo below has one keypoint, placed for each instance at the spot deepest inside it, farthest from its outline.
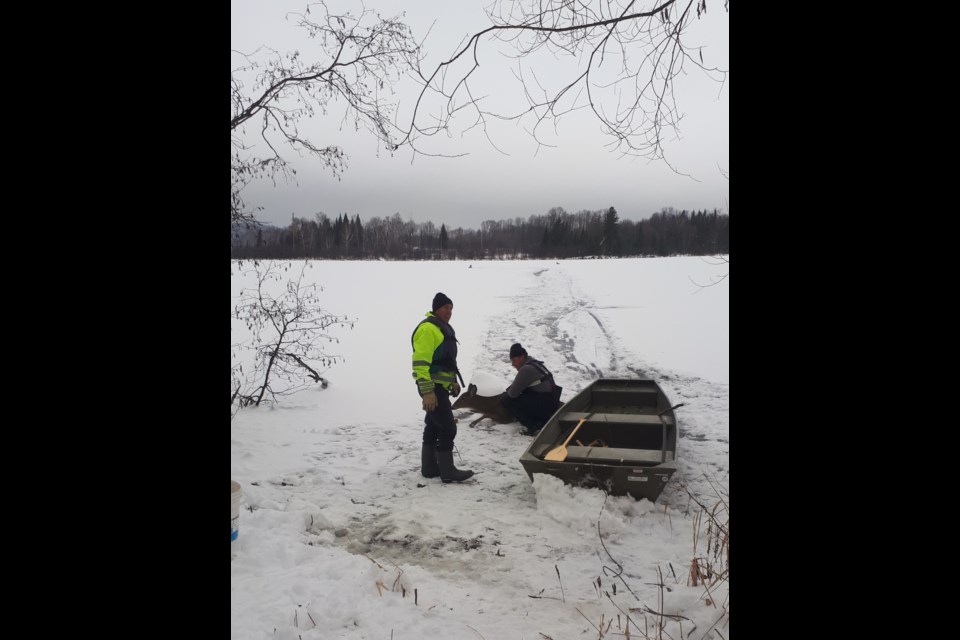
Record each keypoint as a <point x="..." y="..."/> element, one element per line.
<point x="434" y="354"/>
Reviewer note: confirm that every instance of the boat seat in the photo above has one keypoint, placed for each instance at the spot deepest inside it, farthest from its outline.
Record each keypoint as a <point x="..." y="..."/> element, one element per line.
<point x="620" y="418"/>
<point x="615" y="454"/>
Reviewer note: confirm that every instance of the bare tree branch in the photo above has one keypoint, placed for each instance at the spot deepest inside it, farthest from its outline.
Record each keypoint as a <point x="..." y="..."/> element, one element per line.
<point x="288" y="328"/>
<point x="630" y="95"/>
<point x="361" y="58"/>
<point x="618" y="60"/>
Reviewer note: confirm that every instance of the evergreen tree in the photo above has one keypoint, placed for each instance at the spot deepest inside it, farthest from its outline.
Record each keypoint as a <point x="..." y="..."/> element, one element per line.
<point x="611" y="232"/>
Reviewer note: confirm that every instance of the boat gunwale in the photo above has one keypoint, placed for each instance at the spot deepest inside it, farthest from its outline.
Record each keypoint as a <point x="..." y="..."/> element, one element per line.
<point x="624" y="476"/>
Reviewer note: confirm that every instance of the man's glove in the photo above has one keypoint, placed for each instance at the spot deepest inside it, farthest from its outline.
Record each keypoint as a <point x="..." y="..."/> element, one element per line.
<point x="454" y="389"/>
<point x="429" y="401"/>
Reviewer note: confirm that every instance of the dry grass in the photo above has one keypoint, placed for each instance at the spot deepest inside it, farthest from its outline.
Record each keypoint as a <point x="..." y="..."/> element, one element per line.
<point x="708" y="569"/>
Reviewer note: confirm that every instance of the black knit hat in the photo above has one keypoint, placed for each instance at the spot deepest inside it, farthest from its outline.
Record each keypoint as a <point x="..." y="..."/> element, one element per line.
<point x="439" y="300"/>
<point x="517" y="350"/>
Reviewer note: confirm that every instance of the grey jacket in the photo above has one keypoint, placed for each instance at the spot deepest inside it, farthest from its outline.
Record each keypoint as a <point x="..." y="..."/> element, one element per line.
<point x="526" y="374"/>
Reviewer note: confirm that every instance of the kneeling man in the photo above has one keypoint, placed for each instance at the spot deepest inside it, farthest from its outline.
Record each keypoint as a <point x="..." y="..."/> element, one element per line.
<point x="534" y="396"/>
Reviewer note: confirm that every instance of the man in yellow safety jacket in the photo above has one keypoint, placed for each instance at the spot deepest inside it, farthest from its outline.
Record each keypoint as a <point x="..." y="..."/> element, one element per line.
<point x="435" y="373"/>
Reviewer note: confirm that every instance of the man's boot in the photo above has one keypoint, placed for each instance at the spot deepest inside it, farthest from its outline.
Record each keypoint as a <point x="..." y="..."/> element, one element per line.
<point x="448" y="472"/>
<point x="531" y="426"/>
<point x="428" y="461"/>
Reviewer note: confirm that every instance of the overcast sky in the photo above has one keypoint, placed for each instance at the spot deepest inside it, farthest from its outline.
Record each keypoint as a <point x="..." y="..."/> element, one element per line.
<point x="515" y="179"/>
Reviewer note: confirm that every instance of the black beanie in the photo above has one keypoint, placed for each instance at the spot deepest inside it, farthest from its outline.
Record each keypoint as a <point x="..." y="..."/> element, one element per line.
<point x="439" y="300"/>
<point x="517" y="350"/>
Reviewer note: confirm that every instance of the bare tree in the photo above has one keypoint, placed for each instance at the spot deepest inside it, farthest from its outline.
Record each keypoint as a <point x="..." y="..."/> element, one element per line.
<point x="348" y="234"/>
<point x="360" y="59"/>
<point x="621" y="58"/>
<point x="288" y="331"/>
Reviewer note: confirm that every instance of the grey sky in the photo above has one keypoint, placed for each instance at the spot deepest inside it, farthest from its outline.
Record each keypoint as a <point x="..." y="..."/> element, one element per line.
<point x="518" y="180"/>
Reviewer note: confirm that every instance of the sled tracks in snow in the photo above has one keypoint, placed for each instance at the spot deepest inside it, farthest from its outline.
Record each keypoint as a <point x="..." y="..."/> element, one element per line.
<point x="565" y="329"/>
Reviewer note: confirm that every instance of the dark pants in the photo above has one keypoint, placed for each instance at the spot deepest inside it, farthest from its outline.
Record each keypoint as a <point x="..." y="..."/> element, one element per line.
<point x="440" y="429"/>
<point x="532" y="409"/>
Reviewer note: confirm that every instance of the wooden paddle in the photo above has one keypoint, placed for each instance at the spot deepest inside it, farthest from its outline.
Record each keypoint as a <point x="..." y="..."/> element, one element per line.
<point x="560" y="453"/>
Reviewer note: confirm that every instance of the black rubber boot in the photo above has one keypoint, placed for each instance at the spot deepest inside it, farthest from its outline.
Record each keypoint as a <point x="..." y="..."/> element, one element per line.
<point x="428" y="461"/>
<point x="448" y="472"/>
<point x="531" y="425"/>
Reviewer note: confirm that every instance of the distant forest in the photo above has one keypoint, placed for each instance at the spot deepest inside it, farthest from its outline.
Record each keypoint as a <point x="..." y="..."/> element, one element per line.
<point x="557" y="234"/>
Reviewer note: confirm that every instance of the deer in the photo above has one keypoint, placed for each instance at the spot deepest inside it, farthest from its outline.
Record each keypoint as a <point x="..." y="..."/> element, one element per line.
<point x="486" y="406"/>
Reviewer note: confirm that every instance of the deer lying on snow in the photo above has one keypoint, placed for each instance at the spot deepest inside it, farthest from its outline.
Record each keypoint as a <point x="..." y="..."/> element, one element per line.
<point x="486" y="406"/>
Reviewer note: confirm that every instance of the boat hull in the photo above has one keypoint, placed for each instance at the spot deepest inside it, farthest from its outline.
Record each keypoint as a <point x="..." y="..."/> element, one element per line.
<point x="626" y="445"/>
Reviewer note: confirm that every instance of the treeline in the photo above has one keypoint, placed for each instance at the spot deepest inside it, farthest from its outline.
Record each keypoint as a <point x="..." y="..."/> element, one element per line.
<point x="557" y="234"/>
